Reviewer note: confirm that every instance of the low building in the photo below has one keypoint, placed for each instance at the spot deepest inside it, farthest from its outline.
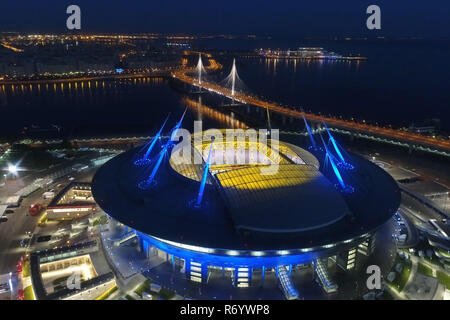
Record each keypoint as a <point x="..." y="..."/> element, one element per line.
<point x="74" y="201"/>
<point x="68" y="273"/>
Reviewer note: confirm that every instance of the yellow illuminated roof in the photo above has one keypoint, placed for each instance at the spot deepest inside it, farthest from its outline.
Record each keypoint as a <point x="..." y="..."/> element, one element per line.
<point x="296" y="165"/>
<point x="252" y="178"/>
<point x="249" y="184"/>
<point x="263" y="154"/>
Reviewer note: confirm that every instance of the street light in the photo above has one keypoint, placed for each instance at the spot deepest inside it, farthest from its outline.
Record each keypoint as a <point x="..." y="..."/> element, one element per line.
<point x="12" y="169"/>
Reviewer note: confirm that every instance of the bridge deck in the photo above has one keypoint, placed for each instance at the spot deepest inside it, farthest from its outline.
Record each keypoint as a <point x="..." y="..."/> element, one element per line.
<point x="339" y="123"/>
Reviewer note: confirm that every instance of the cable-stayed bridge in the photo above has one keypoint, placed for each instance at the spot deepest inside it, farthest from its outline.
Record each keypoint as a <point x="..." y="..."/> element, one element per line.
<point x="231" y="88"/>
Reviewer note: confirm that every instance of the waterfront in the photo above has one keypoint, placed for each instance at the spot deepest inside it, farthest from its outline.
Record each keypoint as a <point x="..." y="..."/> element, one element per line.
<point x="115" y="107"/>
<point x="414" y="92"/>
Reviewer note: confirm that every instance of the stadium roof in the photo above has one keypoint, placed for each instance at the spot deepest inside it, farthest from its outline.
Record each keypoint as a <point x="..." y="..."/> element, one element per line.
<point x="295" y="198"/>
<point x="243" y="209"/>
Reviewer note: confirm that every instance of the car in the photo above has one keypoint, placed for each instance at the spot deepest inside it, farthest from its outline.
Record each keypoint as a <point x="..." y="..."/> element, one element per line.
<point x="45" y="238"/>
<point x="9" y="211"/>
<point x="25" y="242"/>
<point x="147" y="296"/>
<point x="35" y="209"/>
<point x="48" y="195"/>
<point x="3" y="219"/>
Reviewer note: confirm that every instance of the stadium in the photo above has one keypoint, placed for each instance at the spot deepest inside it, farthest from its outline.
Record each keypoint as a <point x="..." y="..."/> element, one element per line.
<point x="253" y="208"/>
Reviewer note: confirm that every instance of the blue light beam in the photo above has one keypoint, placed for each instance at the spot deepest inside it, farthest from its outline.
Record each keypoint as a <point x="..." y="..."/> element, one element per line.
<point x="155" y="138"/>
<point x="313" y="143"/>
<point x="336" y="148"/>
<point x="205" y="175"/>
<point x="333" y="164"/>
<point x="177" y="126"/>
<point x="156" y="167"/>
<point x="163" y="152"/>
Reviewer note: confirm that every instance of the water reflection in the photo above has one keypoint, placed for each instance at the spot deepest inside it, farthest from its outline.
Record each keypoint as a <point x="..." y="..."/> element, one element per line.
<point x="211" y="113"/>
<point x="71" y="88"/>
<point x="272" y="65"/>
<point x="95" y="107"/>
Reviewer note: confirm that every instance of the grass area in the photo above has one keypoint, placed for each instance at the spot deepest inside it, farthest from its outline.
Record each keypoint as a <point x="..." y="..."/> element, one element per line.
<point x="107" y="293"/>
<point x="444" y="278"/>
<point x="28" y="293"/>
<point x="164" y="293"/>
<point x="99" y="221"/>
<point x="423" y="269"/>
<point x="387" y="295"/>
<point x="144" y="287"/>
<point x="26" y="269"/>
<point x="402" y="278"/>
<point x="435" y="261"/>
<point x="444" y="253"/>
<point x="425" y="246"/>
<point x="129" y="297"/>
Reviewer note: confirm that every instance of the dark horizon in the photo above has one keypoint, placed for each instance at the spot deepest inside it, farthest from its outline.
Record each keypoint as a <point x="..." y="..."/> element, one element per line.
<point x="287" y="19"/>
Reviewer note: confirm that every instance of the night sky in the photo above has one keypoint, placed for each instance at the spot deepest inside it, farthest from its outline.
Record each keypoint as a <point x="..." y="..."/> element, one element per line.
<point x="276" y="18"/>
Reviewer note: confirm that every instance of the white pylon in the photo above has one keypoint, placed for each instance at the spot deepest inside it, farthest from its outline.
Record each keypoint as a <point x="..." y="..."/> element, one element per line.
<point x="233" y="77"/>
<point x="199" y="68"/>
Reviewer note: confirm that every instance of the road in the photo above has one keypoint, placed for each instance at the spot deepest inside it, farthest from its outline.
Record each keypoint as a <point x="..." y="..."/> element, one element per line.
<point x="13" y="231"/>
<point x="413" y="235"/>
<point x="20" y="222"/>
<point x="409" y="137"/>
<point x="116" y="76"/>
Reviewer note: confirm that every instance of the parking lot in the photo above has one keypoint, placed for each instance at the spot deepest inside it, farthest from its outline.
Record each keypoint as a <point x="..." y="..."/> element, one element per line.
<point x="18" y="227"/>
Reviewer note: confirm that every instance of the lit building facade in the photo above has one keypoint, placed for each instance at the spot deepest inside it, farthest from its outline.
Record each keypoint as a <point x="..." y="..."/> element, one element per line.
<point x="74" y="201"/>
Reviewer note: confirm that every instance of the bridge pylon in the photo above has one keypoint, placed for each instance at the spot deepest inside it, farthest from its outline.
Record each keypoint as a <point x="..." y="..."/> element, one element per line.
<point x="200" y="71"/>
<point x="233" y="81"/>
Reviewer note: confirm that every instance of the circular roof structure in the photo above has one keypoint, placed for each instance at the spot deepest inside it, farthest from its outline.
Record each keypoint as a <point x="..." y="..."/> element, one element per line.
<point x="257" y="196"/>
